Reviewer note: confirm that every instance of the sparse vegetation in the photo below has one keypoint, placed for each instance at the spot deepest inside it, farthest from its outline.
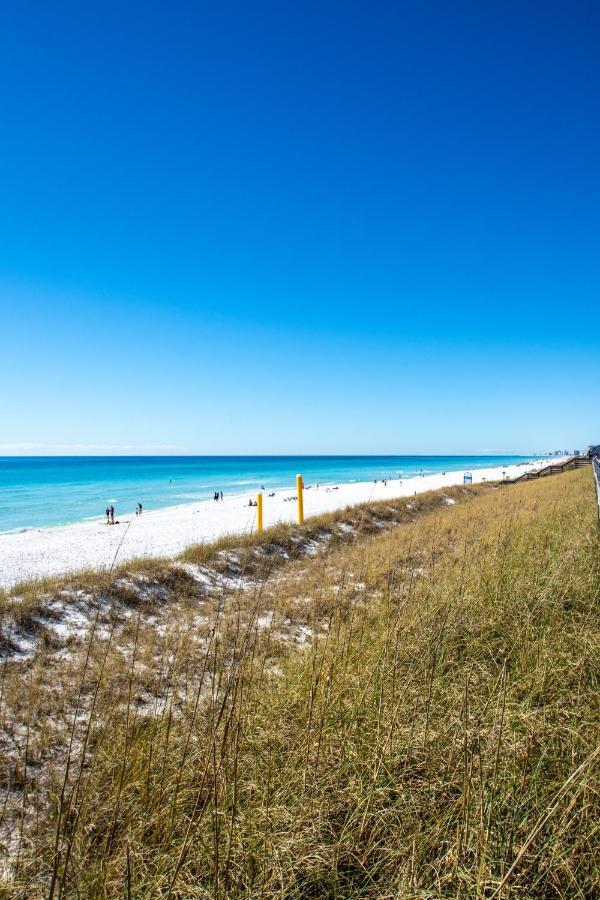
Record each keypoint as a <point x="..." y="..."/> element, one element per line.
<point x="395" y="701"/>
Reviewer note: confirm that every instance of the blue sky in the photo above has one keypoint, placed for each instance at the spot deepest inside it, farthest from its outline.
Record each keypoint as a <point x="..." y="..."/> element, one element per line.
<point x="310" y="227"/>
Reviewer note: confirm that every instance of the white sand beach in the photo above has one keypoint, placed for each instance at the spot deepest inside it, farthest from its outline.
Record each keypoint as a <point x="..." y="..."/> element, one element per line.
<point x="43" y="552"/>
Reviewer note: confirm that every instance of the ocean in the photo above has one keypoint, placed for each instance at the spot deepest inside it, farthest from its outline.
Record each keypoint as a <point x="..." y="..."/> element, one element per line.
<point x="39" y="492"/>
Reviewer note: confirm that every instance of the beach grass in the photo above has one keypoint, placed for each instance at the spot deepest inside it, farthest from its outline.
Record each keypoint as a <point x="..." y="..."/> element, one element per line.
<point x="410" y="712"/>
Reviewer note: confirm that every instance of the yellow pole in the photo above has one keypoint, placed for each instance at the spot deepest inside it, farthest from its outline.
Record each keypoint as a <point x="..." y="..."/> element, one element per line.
<point x="259" y="511"/>
<point x="299" y="489"/>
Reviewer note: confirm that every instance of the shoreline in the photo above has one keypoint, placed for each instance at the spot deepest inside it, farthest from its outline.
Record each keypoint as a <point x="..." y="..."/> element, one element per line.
<point x="55" y="492"/>
<point x="64" y="549"/>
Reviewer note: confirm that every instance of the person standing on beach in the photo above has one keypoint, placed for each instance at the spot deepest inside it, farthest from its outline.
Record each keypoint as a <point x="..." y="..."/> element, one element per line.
<point x="140" y="508"/>
<point x="107" y="515"/>
<point x="221" y="495"/>
<point x="112" y="515"/>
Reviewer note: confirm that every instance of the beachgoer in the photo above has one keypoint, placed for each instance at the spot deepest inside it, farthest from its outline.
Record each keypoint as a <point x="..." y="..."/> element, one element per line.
<point x="221" y="495"/>
<point x="112" y="515"/>
<point x="140" y="508"/>
<point x="107" y="515"/>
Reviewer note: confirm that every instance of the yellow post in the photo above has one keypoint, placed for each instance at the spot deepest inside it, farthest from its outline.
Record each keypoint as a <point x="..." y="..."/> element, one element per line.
<point x="259" y="511"/>
<point x="299" y="489"/>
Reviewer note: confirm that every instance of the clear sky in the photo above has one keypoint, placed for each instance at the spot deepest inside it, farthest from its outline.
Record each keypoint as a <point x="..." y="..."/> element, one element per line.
<point x="299" y="227"/>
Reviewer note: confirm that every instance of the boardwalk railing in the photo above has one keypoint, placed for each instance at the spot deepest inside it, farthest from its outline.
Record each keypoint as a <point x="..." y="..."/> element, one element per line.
<point x="575" y="462"/>
<point x="596" y="470"/>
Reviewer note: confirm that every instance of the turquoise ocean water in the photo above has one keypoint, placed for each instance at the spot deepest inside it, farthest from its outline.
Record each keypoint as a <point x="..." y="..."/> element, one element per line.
<point x="42" y="491"/>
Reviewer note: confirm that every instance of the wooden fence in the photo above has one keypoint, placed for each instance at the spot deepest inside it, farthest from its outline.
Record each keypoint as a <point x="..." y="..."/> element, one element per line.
<point x="574" y="462"/>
